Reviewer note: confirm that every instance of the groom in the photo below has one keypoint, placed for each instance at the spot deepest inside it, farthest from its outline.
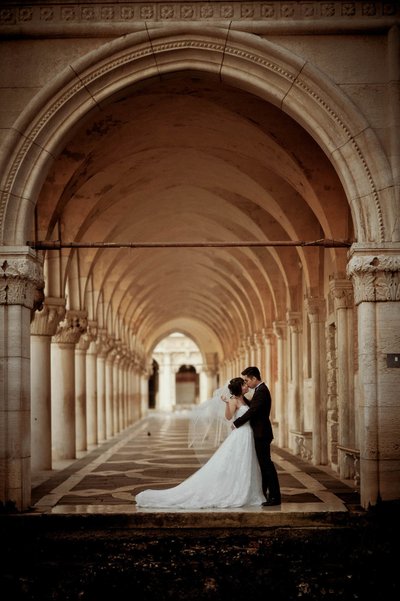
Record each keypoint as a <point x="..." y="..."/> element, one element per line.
<point x="258" y="414"/>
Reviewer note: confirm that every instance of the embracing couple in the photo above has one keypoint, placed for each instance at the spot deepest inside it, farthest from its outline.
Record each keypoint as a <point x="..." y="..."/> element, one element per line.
<point x="241" y="471"/>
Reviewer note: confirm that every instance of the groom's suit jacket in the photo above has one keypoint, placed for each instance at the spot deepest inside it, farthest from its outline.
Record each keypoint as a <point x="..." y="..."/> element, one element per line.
<point x="258" y="414"/>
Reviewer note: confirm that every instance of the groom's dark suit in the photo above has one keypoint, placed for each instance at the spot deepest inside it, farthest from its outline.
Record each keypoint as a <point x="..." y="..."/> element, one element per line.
<point x="258" y="415"/>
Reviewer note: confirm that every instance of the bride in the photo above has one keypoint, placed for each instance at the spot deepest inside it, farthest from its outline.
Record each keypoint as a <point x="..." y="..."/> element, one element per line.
<point x="230" y="478"/>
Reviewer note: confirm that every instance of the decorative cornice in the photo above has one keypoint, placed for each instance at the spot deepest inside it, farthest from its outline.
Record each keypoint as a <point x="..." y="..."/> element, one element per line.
<point x="46" y="14"/>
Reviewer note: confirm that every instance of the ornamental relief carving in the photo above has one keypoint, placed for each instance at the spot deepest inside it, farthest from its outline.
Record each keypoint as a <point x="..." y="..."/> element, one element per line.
<point x="342" y="293"/>
<point x="93" y="13"/>
<point x="21" y="282"/>
<point x="45" y="322"/>
<point x="375" y="278"/>
<point x="71" y="328"/>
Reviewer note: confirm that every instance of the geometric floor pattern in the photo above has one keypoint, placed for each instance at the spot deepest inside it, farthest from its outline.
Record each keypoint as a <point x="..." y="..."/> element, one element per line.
<point x="154" y="453"/>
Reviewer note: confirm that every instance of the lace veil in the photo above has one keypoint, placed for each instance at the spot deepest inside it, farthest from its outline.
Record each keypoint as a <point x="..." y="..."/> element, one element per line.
<point x="208" y="426"/>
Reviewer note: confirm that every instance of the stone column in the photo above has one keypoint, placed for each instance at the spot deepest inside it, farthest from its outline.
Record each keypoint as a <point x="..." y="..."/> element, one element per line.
<point x="43" y="327"/>
<point x="102" y="349"/>
<point x="294" y="400"/>
<point x="80" y="393"/>
<point x="257" y="352"/>
<point x="267" y="335"/>
<point x="166" y="383"/>
<point x="251" y="350"/>
<point x="110" y="429"/>
<point x="342" y="292"/>
<point x="281" y="402"/>
<point x="375" y="271"/>
<point x="91" y="385"/>
<point x="117" y="392"/>
<point x="121" y="388"/>
<point x="21" y="292"/>
<point x="63" y="384"/>
<point x="315" y="308"/>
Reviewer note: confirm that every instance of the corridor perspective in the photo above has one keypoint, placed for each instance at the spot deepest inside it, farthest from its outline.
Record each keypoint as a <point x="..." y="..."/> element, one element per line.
<point x="154" y="453"/>
<point x="188" y="189"/>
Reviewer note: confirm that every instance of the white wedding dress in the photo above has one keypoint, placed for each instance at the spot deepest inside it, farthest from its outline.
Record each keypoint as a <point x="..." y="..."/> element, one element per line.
<point x="230" y="478"/>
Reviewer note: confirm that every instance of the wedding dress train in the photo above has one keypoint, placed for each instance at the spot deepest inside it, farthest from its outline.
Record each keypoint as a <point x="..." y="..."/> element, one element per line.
<point x="230" y="478"/>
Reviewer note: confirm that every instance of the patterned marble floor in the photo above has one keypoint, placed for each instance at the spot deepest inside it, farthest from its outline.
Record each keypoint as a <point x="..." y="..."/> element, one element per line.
<point x="154" y="453"/>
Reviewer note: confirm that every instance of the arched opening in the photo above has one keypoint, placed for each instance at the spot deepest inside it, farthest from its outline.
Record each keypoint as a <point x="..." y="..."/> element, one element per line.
<point x="187" y="387"/>
<point x="153" y="385"/>
<point x="180" y="365"/>
<point x="201" y="136"/>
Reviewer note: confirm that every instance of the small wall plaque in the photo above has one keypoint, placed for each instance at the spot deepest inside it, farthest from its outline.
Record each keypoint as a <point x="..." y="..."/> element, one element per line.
<point x="393" y="360"/>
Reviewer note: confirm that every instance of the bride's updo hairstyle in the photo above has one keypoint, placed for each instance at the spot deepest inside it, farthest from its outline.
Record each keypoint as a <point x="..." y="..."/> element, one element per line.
<point x="235" y="386"/>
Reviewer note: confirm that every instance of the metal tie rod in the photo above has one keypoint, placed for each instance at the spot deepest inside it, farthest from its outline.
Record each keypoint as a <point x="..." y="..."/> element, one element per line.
<point x="58" y="244"/>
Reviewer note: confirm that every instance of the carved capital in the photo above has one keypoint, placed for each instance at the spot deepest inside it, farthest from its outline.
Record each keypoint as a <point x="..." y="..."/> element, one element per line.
<point x="376" y="277"/>
<point x="293" y="319"/>
<point x="88" y="336"/>
<point x="279" y="328"/>
<point x="267" y="335"/>
<point x="21" y="278"/>
<point x="71" y="328"/>
<point x="316" y="308"/>
<point x="103" y="343"/>
<point x="342" y="293"/>
<point x="45" y="322"/>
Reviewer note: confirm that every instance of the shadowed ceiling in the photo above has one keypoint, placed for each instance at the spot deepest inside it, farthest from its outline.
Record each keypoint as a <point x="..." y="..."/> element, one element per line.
<point x="189" y="159"/>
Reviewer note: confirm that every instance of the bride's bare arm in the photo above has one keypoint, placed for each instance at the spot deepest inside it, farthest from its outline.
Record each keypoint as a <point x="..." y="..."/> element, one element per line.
<point x="230" y="408"/>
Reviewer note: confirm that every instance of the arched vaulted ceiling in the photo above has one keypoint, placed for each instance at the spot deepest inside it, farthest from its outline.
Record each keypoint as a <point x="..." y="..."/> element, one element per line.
<point x="187" y="159"/>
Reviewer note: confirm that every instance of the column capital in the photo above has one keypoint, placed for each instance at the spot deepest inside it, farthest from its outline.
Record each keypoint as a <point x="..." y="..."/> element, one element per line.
<point x="279" y="328"/>
<point x="71" y="328"/>
<point x="375" y="272"/>
<point x="88" y="337"/>
<point x="21" y="277"/>
<point x="315" y="307"/>
<point x="267" y="334"/>
<point x="102" y="343"/>
<point x="342" y="292"/>
<point x="257" y="340"/>
<point x="46" y="320"/>
<point x="293" y="319"/>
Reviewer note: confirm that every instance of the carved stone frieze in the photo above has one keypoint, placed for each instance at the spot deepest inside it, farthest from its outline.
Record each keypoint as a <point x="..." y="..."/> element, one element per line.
<point x="71" y="328"/>
<point x="45" y="322"/>
<point x="21" y="279"/>
<point x="376" y="278"/>
<point x="52" y="12"/>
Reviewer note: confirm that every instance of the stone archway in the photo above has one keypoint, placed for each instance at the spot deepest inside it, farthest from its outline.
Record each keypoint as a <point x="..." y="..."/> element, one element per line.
<point x="241" y="59"/>
<point x="244" y="61"/>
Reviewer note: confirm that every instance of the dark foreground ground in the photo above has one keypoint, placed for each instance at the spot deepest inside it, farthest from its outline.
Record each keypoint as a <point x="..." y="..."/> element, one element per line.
<point x="89" y="558"/>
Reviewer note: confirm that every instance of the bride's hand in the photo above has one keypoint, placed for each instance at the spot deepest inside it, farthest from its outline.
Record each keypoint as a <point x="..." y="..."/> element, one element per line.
<point x="225" y="399"/>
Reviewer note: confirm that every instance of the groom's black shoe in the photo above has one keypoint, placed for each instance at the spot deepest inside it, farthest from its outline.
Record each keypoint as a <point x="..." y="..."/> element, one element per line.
<point x="270" y="502"/>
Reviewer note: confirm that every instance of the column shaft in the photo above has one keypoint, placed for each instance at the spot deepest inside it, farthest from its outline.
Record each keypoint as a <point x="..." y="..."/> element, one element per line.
<point x="40" y="403"/>
<point x="21" y="291"/>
